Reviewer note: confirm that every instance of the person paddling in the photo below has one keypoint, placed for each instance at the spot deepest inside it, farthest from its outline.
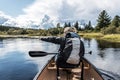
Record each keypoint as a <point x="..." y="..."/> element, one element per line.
<point x="73" y="42"/>
<point x="71" y="49"/>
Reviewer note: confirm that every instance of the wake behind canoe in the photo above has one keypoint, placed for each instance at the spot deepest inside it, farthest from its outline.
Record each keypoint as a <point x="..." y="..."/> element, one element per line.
<point x="90" y="72"/>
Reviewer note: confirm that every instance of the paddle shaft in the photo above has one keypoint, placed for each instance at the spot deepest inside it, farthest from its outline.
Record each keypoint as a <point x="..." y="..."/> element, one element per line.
<point x="42" y="53"/>
<point x="39" y="53"/>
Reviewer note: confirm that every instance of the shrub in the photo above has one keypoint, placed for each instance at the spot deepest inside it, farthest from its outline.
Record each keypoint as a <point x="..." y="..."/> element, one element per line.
<point x="109" y="30"/>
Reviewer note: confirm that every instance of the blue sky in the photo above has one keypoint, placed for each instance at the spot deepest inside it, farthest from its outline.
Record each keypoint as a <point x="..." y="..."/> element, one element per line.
<point x="32" y="12"/>
<point x="14" y="7"/>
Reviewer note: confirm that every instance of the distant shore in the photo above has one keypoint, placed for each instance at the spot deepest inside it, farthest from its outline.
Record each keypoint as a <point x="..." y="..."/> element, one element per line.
<point x="108" y="37"/>
<point x="18" y="36"/>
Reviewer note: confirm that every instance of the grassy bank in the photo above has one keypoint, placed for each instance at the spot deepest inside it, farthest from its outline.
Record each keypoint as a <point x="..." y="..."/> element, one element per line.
<point x="108" y="37"/>
<point x="18" y="36"/>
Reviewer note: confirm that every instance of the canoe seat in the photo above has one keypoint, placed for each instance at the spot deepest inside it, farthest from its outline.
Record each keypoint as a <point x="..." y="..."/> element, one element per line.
<point x="76" y="77"/>
<point x="87" y="66"/>
<point x="52" y="66"/>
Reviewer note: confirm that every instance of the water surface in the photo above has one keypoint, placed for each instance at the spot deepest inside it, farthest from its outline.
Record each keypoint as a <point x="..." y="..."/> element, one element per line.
<point x="16" y="64"/>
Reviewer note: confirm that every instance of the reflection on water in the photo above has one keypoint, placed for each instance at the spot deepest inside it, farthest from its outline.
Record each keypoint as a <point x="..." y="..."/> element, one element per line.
<point x="16" y="64"/>
<point x="1" y="43"/>
<point x="104" y="44"/>
<point x="15" y="67"/>
<point x="105" y="55"/>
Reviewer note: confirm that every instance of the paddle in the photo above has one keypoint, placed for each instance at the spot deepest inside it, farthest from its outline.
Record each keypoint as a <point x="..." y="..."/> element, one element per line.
<point x="42" y="53"/>
<point x="39" y="53"/>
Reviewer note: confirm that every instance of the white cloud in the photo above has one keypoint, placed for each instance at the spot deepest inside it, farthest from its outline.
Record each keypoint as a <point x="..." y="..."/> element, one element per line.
<point x="67" y="10"/>
<point x="71" y="9"/>
<point x="4" y="18"/>
<point x="39" y="8"/>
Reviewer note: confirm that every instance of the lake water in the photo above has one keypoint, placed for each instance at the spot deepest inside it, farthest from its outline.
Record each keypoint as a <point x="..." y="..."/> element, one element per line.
<point x="16" y="64"/>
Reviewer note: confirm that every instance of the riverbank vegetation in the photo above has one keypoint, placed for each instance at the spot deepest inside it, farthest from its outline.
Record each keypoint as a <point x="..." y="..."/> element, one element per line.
<point x="107" y="37"/>
<point x="106" y="29"/>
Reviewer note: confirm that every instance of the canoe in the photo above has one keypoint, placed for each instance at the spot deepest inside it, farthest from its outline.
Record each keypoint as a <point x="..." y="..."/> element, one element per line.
<point x="87" y="72"/>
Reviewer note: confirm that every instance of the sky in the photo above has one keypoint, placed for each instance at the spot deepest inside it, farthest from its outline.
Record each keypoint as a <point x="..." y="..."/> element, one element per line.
<point x="14" y="7"/>
<point x="32" y="12"/>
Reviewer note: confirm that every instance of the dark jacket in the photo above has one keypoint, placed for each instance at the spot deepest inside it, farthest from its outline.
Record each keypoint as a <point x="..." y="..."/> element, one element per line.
<point x="62" y="41"/>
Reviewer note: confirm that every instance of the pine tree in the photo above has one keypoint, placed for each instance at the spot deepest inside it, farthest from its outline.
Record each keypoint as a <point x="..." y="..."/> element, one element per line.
<point x="103" y="20"/>
<point x="90" y="25"/>
<point x="58" y="25"/>
<point x="65" y="25"/>
<point x="69" y="24"/>
<point x="76" y="25"/>
<point x="116" y="21"/>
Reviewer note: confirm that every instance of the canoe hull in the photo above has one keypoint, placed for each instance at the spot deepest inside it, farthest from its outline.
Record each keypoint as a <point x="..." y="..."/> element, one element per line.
<point x="90" y="72"/>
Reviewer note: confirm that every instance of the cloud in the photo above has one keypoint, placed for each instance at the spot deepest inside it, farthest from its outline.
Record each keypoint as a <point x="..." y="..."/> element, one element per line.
<point x="59" y="10"/>
<point x="70" y="9"/>
<point x="39" y="8"/>
<point x="4" y="18"/>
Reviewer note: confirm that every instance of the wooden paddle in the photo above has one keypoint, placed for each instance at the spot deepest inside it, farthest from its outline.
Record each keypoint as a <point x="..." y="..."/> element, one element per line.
<point x="42" y="53"/>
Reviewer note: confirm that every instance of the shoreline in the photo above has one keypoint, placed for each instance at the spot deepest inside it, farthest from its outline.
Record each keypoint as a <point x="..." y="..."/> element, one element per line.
<point x="109" y="37"/>
<point x="19" y="36"/>
<point x="100" y="36"/>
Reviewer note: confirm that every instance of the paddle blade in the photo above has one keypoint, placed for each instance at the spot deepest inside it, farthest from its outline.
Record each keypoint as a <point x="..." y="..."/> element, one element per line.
<point x="90" y="52"/>
<point x="37" y="53"/>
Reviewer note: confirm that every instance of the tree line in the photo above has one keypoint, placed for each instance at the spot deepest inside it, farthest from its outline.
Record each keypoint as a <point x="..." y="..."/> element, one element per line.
<point x="7" y="30"/>
<point x="105" y="25"/>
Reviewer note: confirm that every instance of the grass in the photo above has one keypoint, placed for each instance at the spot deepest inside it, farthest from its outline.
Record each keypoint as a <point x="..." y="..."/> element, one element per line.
<point x="108" y="37"/>
<point x="112" y="37"/>
<point x="91" y="35"/>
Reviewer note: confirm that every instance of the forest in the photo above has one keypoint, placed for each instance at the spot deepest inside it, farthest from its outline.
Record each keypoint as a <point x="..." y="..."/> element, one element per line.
<point x="105" y="25"/>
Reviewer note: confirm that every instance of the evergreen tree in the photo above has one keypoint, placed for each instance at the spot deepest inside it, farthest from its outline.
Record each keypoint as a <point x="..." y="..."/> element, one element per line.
<point x="103" y="20"/>
<point x="58" y="25"/>
<point x="76" y="25"/>
<point x="116" y="21"/>
<point x="65" y="25"/>
<point x="89" y="25"/>
<point x="69" y="24"/>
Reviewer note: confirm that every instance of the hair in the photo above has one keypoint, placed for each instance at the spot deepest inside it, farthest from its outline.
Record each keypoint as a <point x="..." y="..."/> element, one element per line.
<point x="70" y="29"/>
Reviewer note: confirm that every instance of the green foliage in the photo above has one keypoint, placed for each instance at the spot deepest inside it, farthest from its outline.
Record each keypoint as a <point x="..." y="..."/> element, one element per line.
<point x="104" y="25"/>
<point x="76" y="25"/>
<point x="109" y="30"/>
<point x="65" y="25"/>
<point x="55" y="31"/>
<point x="3" y="28"/>
<point x="33" y="32"/>
<point x="69" y="24"/>
<point x="88" y="26"/>
<point x="118" y="30"/>
<point x="116" y="21"/>
<point x="58" y="24"/>
<point x="103" y="20"/>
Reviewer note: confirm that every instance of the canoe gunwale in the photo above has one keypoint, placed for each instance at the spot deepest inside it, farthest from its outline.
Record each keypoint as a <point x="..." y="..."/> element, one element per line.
<point x="96" y="69"/>
<point x="83" y="59"/>
<point x="40" y="72"/>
